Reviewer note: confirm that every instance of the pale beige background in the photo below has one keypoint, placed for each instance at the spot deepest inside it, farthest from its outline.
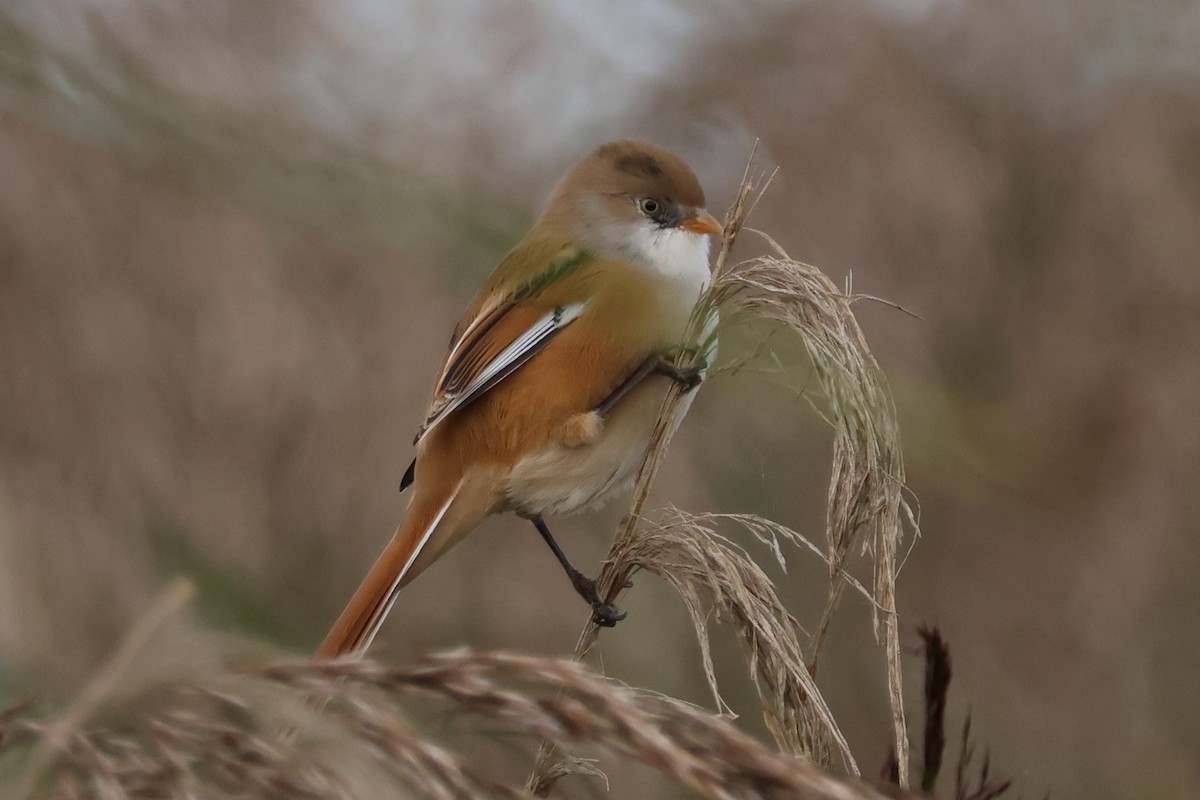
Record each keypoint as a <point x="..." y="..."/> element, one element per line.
<point x="234" y="237"/>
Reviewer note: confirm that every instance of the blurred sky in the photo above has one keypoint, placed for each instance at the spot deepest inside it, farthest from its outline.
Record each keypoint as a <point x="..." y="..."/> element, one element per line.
<point x="234" y="237"/>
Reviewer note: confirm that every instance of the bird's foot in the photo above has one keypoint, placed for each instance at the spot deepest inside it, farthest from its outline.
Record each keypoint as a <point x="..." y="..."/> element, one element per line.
<point x="688" y="377"/>
<point x="606" y="615"/>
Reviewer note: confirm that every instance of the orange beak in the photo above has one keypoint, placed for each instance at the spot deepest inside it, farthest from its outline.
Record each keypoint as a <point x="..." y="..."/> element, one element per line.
<point x="700" y="221"/>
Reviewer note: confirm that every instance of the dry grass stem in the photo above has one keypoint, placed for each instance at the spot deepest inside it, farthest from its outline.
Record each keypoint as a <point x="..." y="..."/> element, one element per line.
<point x="58" y="735"/>
<point x="937" y="686"/>
<point x="220" y="738"/>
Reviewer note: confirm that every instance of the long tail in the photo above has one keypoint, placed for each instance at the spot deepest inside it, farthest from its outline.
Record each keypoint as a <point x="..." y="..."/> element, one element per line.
<point x="365" y="612"/>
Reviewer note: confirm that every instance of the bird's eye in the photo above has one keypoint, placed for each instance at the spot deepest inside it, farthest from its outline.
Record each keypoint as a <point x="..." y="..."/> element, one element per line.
<point x="649" y="206"/>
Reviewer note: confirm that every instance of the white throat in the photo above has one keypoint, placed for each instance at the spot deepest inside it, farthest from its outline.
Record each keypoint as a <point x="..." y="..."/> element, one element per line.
<point x="671" y="253"/>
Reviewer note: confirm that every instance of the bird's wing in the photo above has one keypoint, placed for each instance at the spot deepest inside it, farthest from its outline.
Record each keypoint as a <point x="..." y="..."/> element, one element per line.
<point x="503" y="330"/>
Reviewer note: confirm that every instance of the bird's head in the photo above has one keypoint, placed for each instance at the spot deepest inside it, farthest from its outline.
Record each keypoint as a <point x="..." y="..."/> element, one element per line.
<point x="634" y="201"/>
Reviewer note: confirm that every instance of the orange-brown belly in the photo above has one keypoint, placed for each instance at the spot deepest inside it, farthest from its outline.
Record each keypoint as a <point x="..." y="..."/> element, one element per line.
<point x="559" y="479"/>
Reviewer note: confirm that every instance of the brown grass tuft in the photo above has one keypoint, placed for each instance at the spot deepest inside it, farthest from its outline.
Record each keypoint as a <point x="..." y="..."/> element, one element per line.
<point x="221" y="737"/>
<point x="866" y="492"/>
<point x="705" y="568"/>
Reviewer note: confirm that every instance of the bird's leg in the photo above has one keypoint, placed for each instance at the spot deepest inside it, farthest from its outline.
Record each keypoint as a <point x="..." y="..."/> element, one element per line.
<point x="640" y="374"/>
<point x="688" y="377"/>
<point x="658" y="364"/>
<point x="604" y="614"/>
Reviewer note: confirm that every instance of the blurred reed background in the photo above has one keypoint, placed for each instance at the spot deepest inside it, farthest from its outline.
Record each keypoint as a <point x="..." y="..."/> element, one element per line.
<point x="234" y="237"/>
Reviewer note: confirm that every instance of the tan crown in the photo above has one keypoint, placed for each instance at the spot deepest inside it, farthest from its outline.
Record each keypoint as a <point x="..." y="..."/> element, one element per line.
<point x="621" y="172"/>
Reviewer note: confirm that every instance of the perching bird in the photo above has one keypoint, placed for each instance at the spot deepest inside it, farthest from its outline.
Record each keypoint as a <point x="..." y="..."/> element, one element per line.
<point x="556" y="373"/>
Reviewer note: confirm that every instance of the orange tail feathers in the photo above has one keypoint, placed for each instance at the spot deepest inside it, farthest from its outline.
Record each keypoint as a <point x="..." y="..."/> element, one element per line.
<point x="423" y="532"/>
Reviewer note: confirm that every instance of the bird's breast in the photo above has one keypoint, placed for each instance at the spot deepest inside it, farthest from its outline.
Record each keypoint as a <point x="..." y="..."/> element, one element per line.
<point x="641" y="313"/>
<point x="558" y="479"/>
